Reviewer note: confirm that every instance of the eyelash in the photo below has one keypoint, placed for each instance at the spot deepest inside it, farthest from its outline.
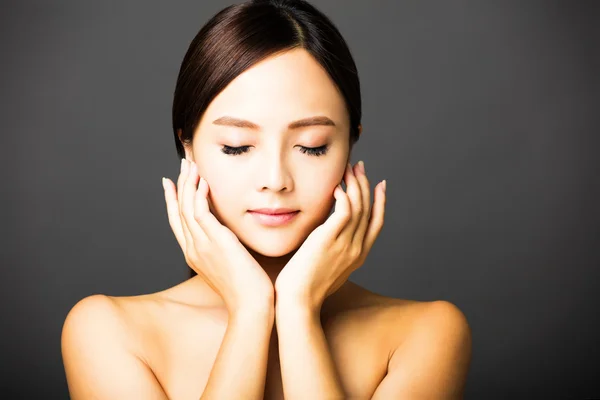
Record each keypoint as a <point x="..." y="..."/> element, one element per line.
<point x="311" y="151"/>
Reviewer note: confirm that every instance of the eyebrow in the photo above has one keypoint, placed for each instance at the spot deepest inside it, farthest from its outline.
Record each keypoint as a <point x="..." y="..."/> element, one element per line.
<point x="319" y="120"/>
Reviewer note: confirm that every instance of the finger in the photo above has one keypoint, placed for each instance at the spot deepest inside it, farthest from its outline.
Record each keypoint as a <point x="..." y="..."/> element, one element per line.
<point x="202" y="214"/>
<point x="341" y="214"/>
<point x="377" y="216"/>
<point x="182" y="185"/>
<point x="173" y="211"/>
<point x="183" y="174"/>
<point x="361" y="176"/>
<point x="353" y="191"/>
<point x="180" y="182"/>
<point x="188" y="204"/>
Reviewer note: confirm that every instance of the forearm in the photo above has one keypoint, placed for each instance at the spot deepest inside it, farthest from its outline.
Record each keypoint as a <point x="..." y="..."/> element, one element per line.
<point x="239" y="370"/>
<point x="307" y="368"/>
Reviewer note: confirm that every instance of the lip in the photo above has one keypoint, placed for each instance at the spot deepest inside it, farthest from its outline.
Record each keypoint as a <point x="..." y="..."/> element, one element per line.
<point x="273" y="219"/>
<point x="273" y="211"/>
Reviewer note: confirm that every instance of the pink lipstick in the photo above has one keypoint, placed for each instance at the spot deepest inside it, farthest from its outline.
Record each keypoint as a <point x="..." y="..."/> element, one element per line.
<point x="274" y="216"/>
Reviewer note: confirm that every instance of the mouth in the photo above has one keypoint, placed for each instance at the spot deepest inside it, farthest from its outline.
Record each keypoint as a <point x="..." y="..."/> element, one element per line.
<point x="273" y="217"/>
<point x="274" y="211"/>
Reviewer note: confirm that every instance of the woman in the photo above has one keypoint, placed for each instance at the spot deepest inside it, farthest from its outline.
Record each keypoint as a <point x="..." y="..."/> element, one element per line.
<point x="266" y="112"/>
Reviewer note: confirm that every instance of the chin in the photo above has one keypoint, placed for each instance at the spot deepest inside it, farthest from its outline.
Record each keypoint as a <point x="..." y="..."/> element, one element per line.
<point x="273" y="243"/>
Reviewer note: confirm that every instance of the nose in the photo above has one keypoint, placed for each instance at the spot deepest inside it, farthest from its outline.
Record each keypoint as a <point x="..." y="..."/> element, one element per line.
<point x="273" y="173"/>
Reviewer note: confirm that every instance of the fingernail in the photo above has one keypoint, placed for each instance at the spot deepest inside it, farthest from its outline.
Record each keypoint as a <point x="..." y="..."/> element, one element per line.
<point x="184" y="166"/>
<point x="383" y="185"/>
<point x="164" y="183"/>
<point x="361" y="166"/>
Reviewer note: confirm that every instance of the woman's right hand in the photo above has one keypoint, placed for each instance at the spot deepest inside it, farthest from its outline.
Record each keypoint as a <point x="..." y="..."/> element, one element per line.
<point x="211" y="249"/>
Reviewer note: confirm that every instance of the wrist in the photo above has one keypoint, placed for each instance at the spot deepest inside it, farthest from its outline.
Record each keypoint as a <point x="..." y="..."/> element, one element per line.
<point x="296" y="306"/>
<point x="264" y="309"/>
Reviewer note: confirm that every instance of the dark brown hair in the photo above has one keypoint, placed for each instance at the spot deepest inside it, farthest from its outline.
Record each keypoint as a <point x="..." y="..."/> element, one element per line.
<point x="241" y="35"/>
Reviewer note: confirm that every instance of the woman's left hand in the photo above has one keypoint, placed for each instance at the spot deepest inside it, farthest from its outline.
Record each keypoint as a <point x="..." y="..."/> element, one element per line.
<point x="336" y="248"/>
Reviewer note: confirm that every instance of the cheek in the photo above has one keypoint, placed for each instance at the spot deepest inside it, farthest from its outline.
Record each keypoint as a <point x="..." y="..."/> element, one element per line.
<point x="223" y="205"/>
<point x="223" y="196"/>
<point x="319" y="196"/>
<point x="224" y="183"/>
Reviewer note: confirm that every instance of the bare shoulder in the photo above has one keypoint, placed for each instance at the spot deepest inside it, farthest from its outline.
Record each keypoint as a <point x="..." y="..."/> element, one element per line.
<point x="404" y="316"/>
<point x="428" y="344"/>
<point x="439" y="333"/>
<point x="124" y="318"/>
<point x="433" y="359"/>
<point x="393" y="312"/>
<point x="93" y="314"/>
<point x="408" y="326"/>
<point x="438" y="325"/>
<point x="99" y="353"/>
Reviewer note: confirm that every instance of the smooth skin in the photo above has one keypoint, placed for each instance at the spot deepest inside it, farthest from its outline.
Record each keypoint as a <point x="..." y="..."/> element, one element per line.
<point x="283" y="292"/>
<point x="216" y="254"/>
<point x="322" y="264"/>
<point x="336" y="248"/>
<point x="211" y="249"/>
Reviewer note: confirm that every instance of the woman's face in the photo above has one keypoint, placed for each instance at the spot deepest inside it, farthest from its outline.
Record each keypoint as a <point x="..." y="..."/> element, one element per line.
<point x="274" y="170"/>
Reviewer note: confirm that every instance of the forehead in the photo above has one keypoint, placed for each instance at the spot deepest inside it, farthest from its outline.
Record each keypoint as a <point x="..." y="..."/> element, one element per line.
<point x="283" y="87"/>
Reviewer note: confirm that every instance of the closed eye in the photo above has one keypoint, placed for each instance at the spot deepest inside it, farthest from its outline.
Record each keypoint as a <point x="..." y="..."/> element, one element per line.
<point x="312" y="151"/>
<point x="234" y="150"/>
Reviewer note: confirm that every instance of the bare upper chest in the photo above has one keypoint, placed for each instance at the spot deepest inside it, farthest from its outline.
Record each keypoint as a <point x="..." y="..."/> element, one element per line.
<point x="182" y="345"/>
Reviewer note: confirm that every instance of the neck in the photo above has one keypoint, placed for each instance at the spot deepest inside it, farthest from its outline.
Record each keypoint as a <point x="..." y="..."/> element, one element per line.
<point x="271" y="265"/>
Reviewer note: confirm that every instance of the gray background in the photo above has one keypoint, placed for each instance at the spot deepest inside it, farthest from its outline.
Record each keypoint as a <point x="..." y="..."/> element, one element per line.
<point x="482" y="116"/>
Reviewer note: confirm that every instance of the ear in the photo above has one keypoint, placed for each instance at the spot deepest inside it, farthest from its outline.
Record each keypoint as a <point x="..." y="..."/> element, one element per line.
<point x="186" y="147"/>
<point x="359" y="129"/>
